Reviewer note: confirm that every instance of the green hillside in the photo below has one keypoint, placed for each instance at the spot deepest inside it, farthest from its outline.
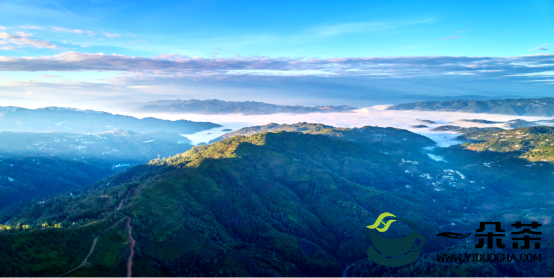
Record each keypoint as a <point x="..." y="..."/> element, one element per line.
<point x="26" y="178"/>
<point x="272" y="204"/>
<point x="269" y="204"/>
<point x="388" y="140"/>
<point x="533" y="143"/>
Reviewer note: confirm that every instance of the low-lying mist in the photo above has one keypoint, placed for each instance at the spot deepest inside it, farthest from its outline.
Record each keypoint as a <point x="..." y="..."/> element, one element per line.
<point x="373" y="116"/>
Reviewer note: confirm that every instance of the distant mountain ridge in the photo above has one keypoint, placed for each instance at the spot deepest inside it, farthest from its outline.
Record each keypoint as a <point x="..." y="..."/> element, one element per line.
<point x="215" y="106"/>
<point x="541" y="107"/>
<point x="57" y="119"/>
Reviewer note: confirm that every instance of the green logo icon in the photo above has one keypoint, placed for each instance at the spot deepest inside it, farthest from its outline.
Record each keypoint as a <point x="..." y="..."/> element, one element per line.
<point x="393" y="251"/>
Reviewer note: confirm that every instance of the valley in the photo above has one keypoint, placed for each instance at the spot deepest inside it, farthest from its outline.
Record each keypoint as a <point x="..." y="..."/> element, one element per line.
<point x="291" y="202"/>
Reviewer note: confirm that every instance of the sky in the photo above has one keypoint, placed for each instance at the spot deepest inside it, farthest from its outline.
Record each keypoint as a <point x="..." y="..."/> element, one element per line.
<point x="284" y="52"/>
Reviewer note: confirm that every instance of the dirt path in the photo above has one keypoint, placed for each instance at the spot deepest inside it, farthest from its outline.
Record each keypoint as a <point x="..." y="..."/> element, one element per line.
<point x="131" y="247"/>
<point x="122" y="200"/>
<point x="91" y="249"/>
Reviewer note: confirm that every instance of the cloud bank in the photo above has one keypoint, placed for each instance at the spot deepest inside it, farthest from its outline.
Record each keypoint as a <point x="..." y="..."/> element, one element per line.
<point x="178" y="65"/>
<point x="374" y="116"/>
<point x="348" y="79"/>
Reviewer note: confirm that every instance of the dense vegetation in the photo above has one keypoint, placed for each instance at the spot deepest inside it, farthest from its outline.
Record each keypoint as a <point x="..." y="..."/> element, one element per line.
<point x="34" y="165"/>
<point x="215" y="106"/>
<point x="56" y="119"/>
<point x="26" y="178"/>
<point x="286" y="204"/>
<point x="542" y="107"/>
<point x="498" y="157"/>
<point x="114" y="147"/>
<point x="45" y="251"/>
<point x="533" y="143"/>
<point x="388" y="140"/>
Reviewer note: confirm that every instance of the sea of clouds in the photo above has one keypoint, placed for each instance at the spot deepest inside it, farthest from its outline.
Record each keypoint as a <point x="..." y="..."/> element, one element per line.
<point x="371" y="116"/>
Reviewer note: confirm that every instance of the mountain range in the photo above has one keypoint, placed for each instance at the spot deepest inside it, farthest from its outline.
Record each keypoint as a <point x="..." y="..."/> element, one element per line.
<point x="270" y="200"/>
<point x="214" y="106"/>
<point x="270" y="204"/>
<point x="541" y="107"/>
<point x="56" y="119"/>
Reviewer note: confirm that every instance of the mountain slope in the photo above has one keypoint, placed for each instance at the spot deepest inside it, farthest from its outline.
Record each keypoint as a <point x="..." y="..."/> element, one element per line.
<point x="112" y="147"/>
<point x="34" y="165"/>
<point x="388" y="140"/>
<point x="532" y="143"/>
<point x="269" y="204"/>
<point x="272" y="204"/>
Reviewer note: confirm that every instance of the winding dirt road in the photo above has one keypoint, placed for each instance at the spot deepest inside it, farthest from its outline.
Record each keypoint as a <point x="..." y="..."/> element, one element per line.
<point x="122" y="200"/>
<point x="131" y="247"/>
<point x="91" y="248"/>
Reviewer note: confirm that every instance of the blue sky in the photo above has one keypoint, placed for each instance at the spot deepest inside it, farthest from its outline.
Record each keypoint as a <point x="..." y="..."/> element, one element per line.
<point x="280" y="51"/>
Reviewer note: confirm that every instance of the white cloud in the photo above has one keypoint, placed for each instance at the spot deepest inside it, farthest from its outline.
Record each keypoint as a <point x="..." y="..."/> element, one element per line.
<point x="32" y="27"/>
<point x="359" y="27"/>
<point x="352" y="28"/>
<point x="540" y="48"/>
<point x="23" y="34"/>
<point x="2" y="28"/>
<point x="111" y="35"/>
<point x="451" y="38"/>
<point x="74" y="31"/>
<point x="23" y="40"/>
<point x="375" y="116"/>
<point x="48" y="76"/>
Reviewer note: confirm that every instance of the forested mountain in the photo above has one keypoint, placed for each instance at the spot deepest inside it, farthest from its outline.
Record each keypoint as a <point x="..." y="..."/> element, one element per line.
<point x="55" y="119"/>
<point x="272" y="204"/>
<point x="114" y="146"/>
<point x="542" y="107"/>
<point x="215" y="106"/>
<point x="25" y="178"/>
<point x="533" y="143"/>
<point x="388" y="140"/>
<point x="34" y="165"/>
